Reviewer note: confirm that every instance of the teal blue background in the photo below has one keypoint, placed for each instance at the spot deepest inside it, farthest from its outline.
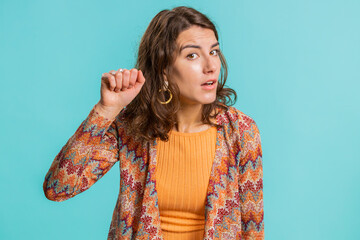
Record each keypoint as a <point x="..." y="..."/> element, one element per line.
<point x="294" y="64"/>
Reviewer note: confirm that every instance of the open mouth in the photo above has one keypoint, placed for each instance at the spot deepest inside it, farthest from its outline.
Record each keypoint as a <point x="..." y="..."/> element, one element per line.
<point x="208" y="83"/>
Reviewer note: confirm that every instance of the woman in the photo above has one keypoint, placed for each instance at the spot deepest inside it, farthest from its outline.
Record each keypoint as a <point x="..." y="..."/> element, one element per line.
<point x="190" y="164"/>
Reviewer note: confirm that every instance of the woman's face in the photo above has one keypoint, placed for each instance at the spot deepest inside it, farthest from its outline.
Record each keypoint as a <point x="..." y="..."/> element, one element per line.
<point x="196" y="65"/>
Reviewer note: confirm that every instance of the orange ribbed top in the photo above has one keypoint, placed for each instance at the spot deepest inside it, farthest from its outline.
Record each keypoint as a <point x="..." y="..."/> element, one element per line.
<point x="182" y="176"/>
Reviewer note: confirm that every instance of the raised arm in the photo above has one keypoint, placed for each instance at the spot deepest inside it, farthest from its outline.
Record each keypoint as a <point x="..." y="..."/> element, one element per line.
<point x="85" y="158"/>
<point x="251" y="184"/>
<point x="93" y="149"/>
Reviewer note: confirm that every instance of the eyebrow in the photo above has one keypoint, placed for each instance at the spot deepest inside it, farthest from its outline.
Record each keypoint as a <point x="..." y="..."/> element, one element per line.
<point x="197" y="46"/>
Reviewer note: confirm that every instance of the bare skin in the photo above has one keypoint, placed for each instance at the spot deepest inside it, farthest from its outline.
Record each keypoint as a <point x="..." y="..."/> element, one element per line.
<point x="118" y="89"/>
<point x="195" y="64"/>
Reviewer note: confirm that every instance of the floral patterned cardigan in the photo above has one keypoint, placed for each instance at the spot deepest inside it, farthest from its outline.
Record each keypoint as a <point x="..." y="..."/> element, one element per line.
<point x="234" y="207"/>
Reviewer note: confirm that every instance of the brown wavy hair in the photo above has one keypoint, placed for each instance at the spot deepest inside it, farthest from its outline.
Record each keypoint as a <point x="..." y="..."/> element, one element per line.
<point x="145" y="117"/>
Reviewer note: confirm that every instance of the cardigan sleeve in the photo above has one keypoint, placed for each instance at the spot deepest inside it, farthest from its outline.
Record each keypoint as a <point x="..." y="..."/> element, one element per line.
<point x="87" y="156"/>
<point x="251" y="184"/>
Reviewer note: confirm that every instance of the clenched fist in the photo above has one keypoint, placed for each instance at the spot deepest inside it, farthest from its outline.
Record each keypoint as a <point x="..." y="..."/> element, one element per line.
<point x="118" y="89"/>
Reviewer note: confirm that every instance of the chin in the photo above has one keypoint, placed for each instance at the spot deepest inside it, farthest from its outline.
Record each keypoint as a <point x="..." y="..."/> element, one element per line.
<point x="208" y="101"/>
<point x="203" y="101"/>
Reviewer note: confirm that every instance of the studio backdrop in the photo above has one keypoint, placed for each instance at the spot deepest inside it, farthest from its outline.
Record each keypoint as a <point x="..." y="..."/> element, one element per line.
<point x="295" y="68"/>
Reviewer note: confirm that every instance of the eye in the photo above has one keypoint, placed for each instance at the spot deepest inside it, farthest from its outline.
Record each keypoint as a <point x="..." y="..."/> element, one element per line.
<point x="191" y="56"/>
<point x="215" y="52"/>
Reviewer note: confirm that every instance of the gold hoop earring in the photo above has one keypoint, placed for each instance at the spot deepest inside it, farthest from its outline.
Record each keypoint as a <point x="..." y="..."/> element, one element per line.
<point x="160" y="90"/>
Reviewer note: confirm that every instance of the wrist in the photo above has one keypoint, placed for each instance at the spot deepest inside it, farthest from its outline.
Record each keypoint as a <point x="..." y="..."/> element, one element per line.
<point x="108" y="112"/>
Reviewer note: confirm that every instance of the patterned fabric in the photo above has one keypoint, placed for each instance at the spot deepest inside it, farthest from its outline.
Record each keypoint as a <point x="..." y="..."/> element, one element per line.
<point x="234" y="203"/>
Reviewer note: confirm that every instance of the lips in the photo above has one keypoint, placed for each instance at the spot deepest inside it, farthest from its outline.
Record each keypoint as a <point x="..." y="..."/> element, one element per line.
<point x="209" y="82"/>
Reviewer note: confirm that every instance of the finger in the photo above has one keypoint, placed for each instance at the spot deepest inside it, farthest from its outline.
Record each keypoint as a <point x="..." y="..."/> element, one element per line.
<point x="125" y="80"/>
<point x="109" y="81"/>
<point x="118" y="79"/>
<point x="141" y="78"/>
<point x="133" y="77"/>
<point x="140" y="81"/>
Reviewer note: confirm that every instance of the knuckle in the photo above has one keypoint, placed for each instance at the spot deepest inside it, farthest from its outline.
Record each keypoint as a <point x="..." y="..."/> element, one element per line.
<point x="118" y="75"/>
<point x="134" y="74"/>
<point x="112" y="82"/>
<point x="134" y="70"/>
<point x="126" y="79"/>
<point x="105" y="75"/>
<point x="132" y="82"/>
<point x="126" y="73"/>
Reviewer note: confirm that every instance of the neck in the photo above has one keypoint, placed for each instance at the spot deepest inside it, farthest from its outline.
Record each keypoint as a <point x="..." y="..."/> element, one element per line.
<point x="189" y="118"/>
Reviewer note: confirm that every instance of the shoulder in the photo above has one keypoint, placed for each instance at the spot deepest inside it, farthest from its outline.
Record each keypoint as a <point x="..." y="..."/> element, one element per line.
<point x="235" y="118"/>
<point x="120" y="120"/>
<point x="126" y="137"/>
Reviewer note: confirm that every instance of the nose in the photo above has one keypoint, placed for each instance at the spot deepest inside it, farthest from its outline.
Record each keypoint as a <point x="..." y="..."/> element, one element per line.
<point x="210" y="64"/>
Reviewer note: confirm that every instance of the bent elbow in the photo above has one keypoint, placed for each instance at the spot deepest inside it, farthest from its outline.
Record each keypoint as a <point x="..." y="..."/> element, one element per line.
<point x="49" y="195"/>
<point x="52" y="195"/>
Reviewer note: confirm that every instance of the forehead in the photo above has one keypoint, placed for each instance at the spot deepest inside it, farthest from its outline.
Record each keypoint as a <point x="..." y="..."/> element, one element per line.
<point x="196" y="34"/>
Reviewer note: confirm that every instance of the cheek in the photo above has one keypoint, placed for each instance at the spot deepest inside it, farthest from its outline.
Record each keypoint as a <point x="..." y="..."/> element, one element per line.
<point x="219" y="63"/>
<point x="188" y="73"/>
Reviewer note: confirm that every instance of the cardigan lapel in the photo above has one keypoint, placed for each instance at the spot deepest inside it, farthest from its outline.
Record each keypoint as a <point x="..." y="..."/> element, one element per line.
<point x="150" y="214"/>
<point x="211" y="196"/>
<point x="222" y="202"/>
